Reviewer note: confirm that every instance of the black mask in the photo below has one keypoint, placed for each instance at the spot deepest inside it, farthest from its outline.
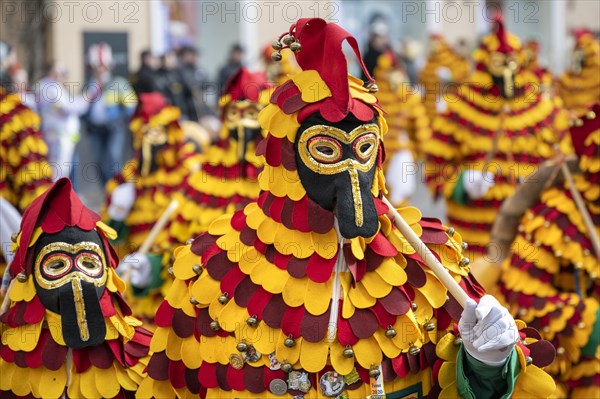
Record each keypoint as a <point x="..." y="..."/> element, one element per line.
<point x="241" y="119"/>
<point x="70" y="278"/>
<point x="153" y="141"/>
<point x="337" y="164"/>
<point x="503" y="69"/>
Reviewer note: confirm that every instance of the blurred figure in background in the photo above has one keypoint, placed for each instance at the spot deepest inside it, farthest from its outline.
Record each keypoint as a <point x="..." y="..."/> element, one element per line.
<point x="8" y="61"/>
<point x="144" y="80"/>
<point x="233" y="64"/>
<point x="60" y="111"/>
<point x="113" y="101"/>
<point x="195" y="80"/>
<point x="169" y="82"/>
<point x="379" y="43"/>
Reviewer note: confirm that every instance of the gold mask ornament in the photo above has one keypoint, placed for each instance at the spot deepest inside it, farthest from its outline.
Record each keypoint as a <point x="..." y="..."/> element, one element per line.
<point x="320" y="149"/>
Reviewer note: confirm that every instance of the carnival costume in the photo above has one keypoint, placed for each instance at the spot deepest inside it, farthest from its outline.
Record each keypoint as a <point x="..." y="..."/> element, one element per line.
<point x="579" y="87"/>
<point x="551" y="278"/>
<point x="444" y="71"/>
<point x="228" y="179"/>
<point x="311" y="291"/>
<point x="138" y="196"/>
<point x="496" y="129"/>
<point x="67" y="331"/>
<point x="408" y="126"/>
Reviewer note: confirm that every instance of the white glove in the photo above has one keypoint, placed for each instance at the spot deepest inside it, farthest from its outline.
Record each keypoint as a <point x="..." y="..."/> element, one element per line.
<point x="401" y="176"/>
<point x="121" y="201"/>
<point x="477" y="183"/>
<point x="488" y="331"/>
<point x="139" y="269"/>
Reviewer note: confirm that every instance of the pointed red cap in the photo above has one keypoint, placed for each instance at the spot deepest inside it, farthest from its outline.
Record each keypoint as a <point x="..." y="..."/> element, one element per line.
<point x="502" y="36"/>
<point x="580" y="32"/>
<point x="150" y="104"/>
<point x="57" y="208"/>
<point x="322" y="51"/>
<point x="246" y="85"/>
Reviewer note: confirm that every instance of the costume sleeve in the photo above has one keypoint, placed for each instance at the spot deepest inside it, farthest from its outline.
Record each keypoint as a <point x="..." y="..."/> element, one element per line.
<point x="475" y="379"/>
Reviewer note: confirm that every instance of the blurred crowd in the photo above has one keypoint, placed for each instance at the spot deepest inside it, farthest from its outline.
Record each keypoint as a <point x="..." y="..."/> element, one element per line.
<point x="101" y="111"/>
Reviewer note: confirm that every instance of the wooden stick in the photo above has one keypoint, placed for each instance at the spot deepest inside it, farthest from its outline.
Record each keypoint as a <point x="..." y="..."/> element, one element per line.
<point x="157" y="228"/>
<point x="587" y="219"/>
<point x="425" y="253"/>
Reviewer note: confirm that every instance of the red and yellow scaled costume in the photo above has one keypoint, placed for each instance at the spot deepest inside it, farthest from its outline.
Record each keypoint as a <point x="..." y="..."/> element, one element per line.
<point x="25" y="172"/>
<point x="495" y="131"/>
<point x="227" y="180"/>
<point x="551" y="279"/>
<point x="408" y="124"/>
<point x="156" y="175"/>
<point x="273" y="301"/>
<point x="539" y="75"/>
<point x="68" y="332"/>
<point x="579" y="87"/>
<point x="443" y="60"/>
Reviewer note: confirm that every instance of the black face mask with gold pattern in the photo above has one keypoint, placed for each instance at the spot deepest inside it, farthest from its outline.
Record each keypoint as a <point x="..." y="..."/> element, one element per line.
<point x="336" y="164"/>
<point x="241" y="119"/>
<point x="503" y="68"/>
<point x="70" y="278"/>
<point x="153" y="140"/>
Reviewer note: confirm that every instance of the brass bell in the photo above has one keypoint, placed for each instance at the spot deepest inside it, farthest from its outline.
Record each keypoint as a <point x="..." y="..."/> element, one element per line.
<point x="414" y="307"/>
<point x="295" y="47"/>
<point x="214" y="325"/>
<point x="14" y="236"/>
<point x="578" y="265"/>
<point x="581" y="324"/>
<point x="372" y="87"/>
<point x="586" y="252"/>
<point x="288" y="39"/>
<point x="591" y="115"/>
<point x="286" y="367"/>
<point x="429" y="326"/>
<point x="558" y="254"/>
<point x="528" y="360"/>
<point x="194" y="301"/>
<point x="457" y="341"/>
<point x="374" y="372"/>
<point x="465" y="262"/>
<point x="566" y="239"/>
<point x="390" y="332"/>
<point x="170" y="271"/>
<point x="252" y="321"/>
<point x="560" y="351"/>
<point x="223" y="298"/>
<point x="277" y="46"/>
<point x="276" y="56"/>
<point x="289" y="342"/>
<point x="465" y="245"/>
<point x="189" y="241"/>
<point x="450" y="231"/>
<point x="578" y="122"/>
<point x="414" y="350"/>
<point x="198" y="269"/>
<point x="21" y="277"/>
<point x="546" y="329"/>
<point x="348" y="352"/>
<point x="242" y="347"/>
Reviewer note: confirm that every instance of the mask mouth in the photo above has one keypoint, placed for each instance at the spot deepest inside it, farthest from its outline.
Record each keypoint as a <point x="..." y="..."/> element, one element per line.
<point x="82" y="320"/>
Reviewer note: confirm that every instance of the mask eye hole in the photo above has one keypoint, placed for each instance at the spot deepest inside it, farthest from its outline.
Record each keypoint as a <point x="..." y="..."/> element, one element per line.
<point x="365" y="147"/>
<point x="90" y="264"/>
<point x="56" y="265"/>
<point x="325" y="149"/>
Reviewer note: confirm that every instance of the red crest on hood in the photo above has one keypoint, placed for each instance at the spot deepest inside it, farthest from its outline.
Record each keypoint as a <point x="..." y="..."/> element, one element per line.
<point x="57" y="208"/>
